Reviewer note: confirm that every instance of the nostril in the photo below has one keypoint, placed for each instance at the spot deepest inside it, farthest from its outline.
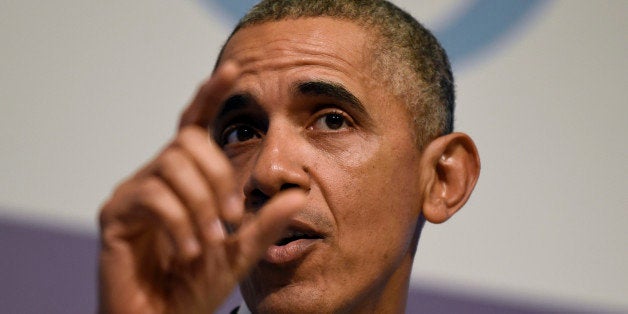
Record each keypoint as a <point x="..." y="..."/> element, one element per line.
<point x="286" y="186"/>
<point x="257" y="199"/>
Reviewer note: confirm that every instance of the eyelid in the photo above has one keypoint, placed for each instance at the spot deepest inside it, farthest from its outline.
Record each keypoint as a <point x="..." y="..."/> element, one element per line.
<point x="233" y="126"/>
<point x="331" y="109"/>
<point x="246" y="114"/>
<point x="334" y="107"/>
<point x="243" y="116"/>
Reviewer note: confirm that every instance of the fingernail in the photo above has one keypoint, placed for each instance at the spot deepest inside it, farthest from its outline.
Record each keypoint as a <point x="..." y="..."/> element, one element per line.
<point x="217" y="230"/>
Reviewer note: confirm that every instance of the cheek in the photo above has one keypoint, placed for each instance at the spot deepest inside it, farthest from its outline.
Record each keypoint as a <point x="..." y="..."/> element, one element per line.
<point x="374" y="196"/>
<point x="242" y="166"/>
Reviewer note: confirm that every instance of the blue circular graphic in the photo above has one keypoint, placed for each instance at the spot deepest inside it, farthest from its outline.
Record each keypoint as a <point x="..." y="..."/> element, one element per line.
<point x="483" y="23"/>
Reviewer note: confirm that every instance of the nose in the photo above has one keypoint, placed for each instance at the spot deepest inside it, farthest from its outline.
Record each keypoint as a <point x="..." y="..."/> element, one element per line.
<point x="279" y="165"/>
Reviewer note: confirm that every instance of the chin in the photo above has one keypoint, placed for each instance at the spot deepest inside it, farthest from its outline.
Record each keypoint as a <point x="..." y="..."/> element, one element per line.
<point x="292" y="298"/>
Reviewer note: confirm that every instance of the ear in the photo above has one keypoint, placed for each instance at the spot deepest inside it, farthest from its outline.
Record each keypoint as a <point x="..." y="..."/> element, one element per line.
<point x="450" y="166"/>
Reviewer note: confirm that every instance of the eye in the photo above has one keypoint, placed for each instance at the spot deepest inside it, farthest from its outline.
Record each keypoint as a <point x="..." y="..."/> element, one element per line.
<point x="239" y="133"/>
<point x="331" y="121"/>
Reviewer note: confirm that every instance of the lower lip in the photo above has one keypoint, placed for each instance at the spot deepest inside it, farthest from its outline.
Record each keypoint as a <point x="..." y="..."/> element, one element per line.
<point x="289" y="252"/>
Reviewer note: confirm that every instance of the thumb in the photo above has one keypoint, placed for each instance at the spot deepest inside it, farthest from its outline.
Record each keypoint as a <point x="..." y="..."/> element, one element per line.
<point x="255" y="236"/>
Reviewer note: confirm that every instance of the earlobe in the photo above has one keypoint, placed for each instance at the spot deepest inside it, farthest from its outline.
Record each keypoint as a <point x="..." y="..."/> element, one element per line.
<point x="450" y="168"/>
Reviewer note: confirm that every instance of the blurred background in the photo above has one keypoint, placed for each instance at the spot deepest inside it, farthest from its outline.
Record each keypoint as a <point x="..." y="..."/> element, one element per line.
<point x="90" y="90"/>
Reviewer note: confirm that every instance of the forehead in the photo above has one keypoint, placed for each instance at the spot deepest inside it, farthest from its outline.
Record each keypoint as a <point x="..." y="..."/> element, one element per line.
<point x="311" y="34"/>
<point x="322" y="44"/>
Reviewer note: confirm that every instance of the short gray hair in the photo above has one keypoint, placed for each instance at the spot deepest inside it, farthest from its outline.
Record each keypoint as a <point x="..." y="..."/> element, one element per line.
<point x="409" y="57"/>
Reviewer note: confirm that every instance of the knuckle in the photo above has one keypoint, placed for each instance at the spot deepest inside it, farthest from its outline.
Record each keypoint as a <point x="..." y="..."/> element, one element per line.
<point x="154" y="197"/>
<point x="202" y="203"/>
<point x="115" y="203"/>
<point x="149" y="192"/>
<point x="183" y="135"/>
<point x="187" y="135"/>
<point x="177" y="219"/>
<point x="170" y="162"/>
<point x="171" y="156"/>
<point x="221" y="170"/>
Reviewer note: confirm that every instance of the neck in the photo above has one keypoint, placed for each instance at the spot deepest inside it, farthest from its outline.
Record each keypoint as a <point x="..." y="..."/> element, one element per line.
<point x="393" y="294"/>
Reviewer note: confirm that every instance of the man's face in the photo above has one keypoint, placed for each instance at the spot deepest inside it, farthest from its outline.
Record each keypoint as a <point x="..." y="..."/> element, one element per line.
<point x="308" y="113"/>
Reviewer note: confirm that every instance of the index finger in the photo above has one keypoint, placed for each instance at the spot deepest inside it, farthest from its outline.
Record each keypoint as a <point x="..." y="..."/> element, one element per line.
<point x="206" y="103"/>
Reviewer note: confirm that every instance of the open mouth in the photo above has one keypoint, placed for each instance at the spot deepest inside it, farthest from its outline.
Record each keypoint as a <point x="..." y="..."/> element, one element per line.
<point x="293" y="235"/>
<point x="295" y="243"/>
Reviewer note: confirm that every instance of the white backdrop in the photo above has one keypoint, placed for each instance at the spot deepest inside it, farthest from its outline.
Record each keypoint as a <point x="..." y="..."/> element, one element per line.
<point x="89" y="90"/>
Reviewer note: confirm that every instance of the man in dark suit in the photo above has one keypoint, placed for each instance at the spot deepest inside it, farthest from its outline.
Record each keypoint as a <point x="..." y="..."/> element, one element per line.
<point x="303" y="170"/>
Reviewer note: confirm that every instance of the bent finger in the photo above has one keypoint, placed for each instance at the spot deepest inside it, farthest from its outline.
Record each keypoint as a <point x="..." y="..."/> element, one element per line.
<point x="217" y="171"/>
<point x="180" y="172"/>
<point x="161" y="203"/>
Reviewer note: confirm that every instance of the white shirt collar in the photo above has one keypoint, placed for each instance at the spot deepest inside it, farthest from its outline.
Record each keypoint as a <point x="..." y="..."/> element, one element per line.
<point x="244" y="309"/>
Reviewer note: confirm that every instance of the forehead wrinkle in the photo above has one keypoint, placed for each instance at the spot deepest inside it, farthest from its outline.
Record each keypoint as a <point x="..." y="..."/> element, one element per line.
<point x="287" y="52"/>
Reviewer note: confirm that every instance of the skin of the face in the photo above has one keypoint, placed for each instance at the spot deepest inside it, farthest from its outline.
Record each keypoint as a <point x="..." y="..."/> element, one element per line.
<point x="310" y="112"/>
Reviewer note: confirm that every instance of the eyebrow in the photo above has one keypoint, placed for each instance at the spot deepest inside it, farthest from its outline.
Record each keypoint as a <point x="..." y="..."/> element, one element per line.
<point x="316" y="88"/>
<point x="234" y="103"/>
<point x="332" y="90"/>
